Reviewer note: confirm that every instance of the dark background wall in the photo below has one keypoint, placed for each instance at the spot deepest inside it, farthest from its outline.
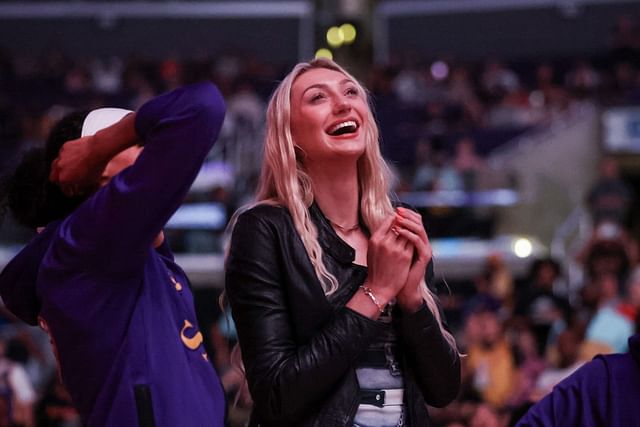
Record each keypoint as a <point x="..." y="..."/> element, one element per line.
<point x="273" y="40"/>
<point x="509" y="34"/>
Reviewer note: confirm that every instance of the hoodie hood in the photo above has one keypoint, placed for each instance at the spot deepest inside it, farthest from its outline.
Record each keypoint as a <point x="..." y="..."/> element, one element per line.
<point x="19" y="277"/>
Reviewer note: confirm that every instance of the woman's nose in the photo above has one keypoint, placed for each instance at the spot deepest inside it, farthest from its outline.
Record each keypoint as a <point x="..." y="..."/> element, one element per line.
<point x="342" y="105"/>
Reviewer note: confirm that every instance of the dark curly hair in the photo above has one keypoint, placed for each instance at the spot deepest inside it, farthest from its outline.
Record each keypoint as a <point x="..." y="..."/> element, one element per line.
<point x="33" y="200"/>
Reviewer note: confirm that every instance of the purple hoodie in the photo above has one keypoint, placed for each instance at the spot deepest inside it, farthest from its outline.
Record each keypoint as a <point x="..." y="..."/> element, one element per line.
<point x="119" y="312"/>
<point x="603" y="393"/>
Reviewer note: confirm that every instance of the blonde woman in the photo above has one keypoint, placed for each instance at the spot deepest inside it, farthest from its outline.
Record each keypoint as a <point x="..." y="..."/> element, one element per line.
<point x="326" y="279"/>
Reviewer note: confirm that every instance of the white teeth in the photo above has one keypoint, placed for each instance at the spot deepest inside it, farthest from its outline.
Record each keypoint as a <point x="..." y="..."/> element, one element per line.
<point x="349" y="123"/>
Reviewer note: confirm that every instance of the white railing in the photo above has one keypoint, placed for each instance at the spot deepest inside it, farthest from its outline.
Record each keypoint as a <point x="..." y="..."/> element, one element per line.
<point x="555" y="167"/>
<point x="568" y="238"/>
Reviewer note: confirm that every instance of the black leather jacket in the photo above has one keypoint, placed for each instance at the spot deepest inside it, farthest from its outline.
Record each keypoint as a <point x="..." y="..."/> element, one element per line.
<point x="298" y="348"/>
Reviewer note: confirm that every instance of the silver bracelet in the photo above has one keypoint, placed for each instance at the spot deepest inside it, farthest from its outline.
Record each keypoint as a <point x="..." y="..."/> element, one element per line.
<point x="368" y="292"/>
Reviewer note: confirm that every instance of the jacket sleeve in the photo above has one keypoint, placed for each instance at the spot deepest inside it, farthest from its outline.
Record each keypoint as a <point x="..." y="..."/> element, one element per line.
<point x="434" y="363"/>
<point x="287" y="379"/>
<point x="114" y="229"/>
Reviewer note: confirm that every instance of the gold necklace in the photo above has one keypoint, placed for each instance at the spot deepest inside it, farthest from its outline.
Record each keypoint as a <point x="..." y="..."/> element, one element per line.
<point x="343" y="228"/>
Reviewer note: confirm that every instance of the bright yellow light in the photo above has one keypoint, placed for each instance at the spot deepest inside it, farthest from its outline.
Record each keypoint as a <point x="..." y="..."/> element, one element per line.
<point x="324" y="53"/>
<point x="348" y="32"/>
<point x="522" y="248"/>
<point x="335" y="37"/>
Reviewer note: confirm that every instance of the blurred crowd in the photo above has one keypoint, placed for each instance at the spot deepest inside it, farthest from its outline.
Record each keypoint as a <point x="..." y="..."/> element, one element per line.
<point x="522" y="336"/>
<point x="439" y="120"/>
<point x="424" y="105"/>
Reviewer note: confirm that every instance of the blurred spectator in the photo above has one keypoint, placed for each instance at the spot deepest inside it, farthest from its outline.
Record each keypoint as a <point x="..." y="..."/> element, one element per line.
<point x="226" y="359"/>
<point x="55" y="408"/>
<point x="30" y="348"/>
<point x="624" y="75"/>
<point x="227" y="68"/>
<point x="106" y="75"/>
<point x="501" y="282"/>
<point x="77" y="85"/>
<point x="426" y="168"/>
<point x="462" y="92"/>
<point x="449" y="179"/>
<point x="609" y="325"/>
<point x="625" y="40"/>
<point x="529" y="367"/>
<point x="554" y="98"/>
<point x="631" y="306"/>
<point x="17" y="396"/>
<point x="486" y="416"/>
<point x="489" y="367"/>
<point x="568" y="360"/>
<point x="609" y="250"/>
<point x="468" y="164"/>
<point x="482" y="299"/>
<point x="171" y="74"/>
<point x="609" y="198"/>
<point x="409" y="87"/>
<point x="381" y="84"/>
<point x="487" y="373"/>
<point x="498" y="80"/>
<point x="493" y="289"/>
<point x="246" y="106"/>
<point x="539" y="304"/>
<point x="137" y="87"/>
<point x="515" y="109"/>
<point x="582" y="80"/>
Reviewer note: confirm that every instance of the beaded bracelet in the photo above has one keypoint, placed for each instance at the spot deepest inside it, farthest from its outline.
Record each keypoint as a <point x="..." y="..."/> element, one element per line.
<point x="368" y="292"/>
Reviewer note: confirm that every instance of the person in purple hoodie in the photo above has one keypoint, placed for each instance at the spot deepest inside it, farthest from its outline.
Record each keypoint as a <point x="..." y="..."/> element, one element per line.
<point x="602" y="393"/>
<point x="99" y="277"/>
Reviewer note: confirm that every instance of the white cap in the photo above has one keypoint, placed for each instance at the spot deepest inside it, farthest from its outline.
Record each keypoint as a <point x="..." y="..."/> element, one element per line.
<point x="102" y="118"/>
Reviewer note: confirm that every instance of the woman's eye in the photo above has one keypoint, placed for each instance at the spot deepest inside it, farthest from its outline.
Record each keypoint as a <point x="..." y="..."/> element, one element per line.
<point x="316" y="97"/>
<point x="352" y="91"/>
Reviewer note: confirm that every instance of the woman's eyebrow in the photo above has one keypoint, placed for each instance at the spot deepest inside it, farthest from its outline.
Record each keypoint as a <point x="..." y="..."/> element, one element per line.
<point x="315" y="86"/>
<point x="325" y="86"/>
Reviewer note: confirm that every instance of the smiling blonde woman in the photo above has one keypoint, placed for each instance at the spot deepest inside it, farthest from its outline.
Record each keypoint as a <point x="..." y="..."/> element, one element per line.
<point x="326" y="279"/>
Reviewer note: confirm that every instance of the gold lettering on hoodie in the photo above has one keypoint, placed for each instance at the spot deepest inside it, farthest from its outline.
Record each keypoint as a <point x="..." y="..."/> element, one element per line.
<point x="193" y="342"/>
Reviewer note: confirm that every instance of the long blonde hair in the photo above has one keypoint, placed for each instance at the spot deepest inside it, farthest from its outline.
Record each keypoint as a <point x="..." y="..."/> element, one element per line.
<point x="284" y="182"/>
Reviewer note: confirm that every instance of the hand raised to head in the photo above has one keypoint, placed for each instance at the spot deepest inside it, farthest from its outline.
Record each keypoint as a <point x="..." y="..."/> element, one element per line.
<point x="76" y="170"/>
